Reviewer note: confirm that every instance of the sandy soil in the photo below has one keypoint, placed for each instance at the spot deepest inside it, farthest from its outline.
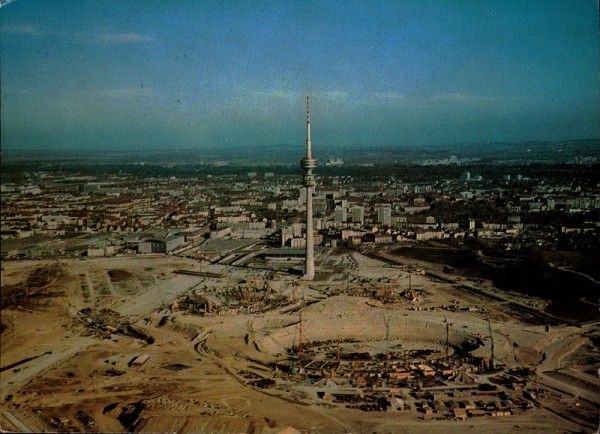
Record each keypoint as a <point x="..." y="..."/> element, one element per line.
<point x="80" y="376"/>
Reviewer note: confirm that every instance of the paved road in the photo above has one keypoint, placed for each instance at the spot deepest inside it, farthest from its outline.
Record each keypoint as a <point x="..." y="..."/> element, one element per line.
<point x="16" y="422"/>
<point x="164" y="292"/>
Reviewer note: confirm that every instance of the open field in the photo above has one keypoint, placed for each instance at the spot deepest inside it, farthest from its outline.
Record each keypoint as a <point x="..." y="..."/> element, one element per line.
<point x="134" y="344"/>
<point x="515" y="273"/>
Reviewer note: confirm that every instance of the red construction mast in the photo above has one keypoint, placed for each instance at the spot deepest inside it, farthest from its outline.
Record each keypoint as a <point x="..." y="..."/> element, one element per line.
<point x="300" y="349"/>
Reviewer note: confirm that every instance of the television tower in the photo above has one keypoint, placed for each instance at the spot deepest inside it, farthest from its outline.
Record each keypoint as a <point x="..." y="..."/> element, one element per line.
<point x="307" y="164"/>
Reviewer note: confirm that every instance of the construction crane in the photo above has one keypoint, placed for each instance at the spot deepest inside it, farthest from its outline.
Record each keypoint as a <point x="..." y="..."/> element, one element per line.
<point x="300" y="349"/>
<point x="384" y="291"/>
<point x="296" y="285"/>
<point x="492" y="343"/>
<point x="386" y="321"/>
<point x="448" y="324"/>
<point x="346" y="258"/>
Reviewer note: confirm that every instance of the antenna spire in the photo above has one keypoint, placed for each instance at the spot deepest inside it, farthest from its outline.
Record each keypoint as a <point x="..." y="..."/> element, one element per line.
<point x="308" y="143"/>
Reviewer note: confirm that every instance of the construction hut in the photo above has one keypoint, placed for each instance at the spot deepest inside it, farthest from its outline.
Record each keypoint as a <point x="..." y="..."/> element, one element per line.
<point x="140" y="360"/>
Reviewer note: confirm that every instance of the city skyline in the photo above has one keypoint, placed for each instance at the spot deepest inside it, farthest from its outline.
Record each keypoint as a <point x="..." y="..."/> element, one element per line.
<point x="131" y="75"/>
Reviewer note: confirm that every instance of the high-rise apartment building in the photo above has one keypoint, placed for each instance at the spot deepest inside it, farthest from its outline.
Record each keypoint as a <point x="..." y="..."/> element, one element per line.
<point x="340" y="215"/>
<point x="384" y="214"/>
<point x="358" y="214"/>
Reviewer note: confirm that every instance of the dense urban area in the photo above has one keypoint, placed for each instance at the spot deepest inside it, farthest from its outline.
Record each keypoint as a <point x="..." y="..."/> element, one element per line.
<point x="453" y="292"/>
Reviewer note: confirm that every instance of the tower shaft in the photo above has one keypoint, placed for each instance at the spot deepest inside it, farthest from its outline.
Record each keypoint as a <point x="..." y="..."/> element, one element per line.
<point x="308" y="163"/>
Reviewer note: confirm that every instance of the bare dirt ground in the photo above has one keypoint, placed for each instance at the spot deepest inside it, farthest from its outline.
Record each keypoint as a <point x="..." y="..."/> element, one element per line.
<point x="67" y="359"/>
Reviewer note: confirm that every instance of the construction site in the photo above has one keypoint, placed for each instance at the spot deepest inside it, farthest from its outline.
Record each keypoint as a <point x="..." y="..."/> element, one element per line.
<point x="372" y="344"/>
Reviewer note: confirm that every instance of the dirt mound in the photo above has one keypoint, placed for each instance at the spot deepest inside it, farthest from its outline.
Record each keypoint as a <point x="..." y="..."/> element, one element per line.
<point x="42" y="276"/>
<point x="528" y="356"/>
<point x="36" y="290"/>
<point x="119" y="275"/>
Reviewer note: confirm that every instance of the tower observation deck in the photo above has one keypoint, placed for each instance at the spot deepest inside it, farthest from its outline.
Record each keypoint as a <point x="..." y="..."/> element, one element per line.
<point x="308" y="163"/>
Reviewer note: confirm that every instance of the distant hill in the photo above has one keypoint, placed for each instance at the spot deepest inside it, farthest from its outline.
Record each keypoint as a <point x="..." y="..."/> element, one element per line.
<point x="287" y="154"/>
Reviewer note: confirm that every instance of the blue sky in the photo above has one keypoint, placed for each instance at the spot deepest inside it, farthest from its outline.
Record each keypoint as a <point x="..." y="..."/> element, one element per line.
<point x="153" y="74"/>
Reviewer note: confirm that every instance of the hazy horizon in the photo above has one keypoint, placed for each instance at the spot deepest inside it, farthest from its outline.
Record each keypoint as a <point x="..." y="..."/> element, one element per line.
<point x="134" y="75"/>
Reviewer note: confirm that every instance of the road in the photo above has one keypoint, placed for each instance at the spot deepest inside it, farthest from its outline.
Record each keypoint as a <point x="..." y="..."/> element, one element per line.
<point x="164" y="292"/>
<point x="11" y="381"/>
<point x="17" y="423"/>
